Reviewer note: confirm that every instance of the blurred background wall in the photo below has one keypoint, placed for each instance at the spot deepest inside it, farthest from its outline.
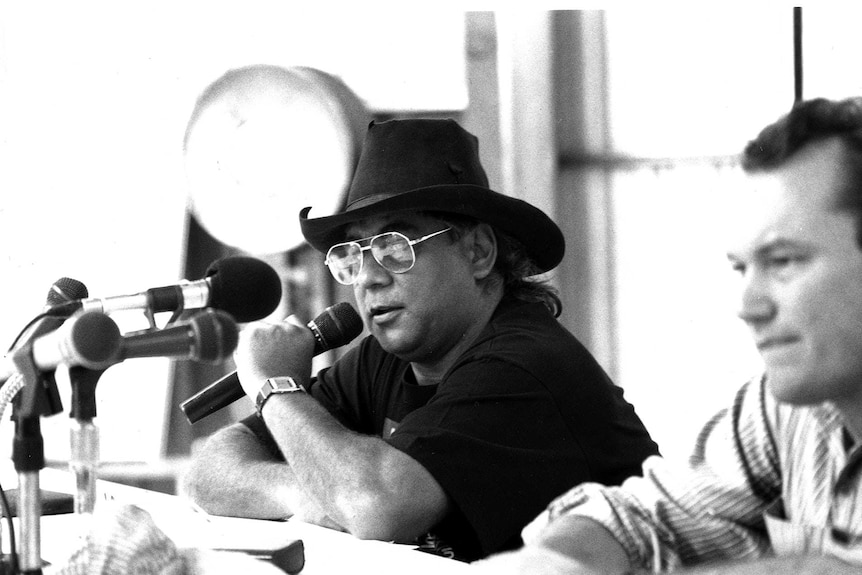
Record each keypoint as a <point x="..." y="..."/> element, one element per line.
<point x="622" y="124"/>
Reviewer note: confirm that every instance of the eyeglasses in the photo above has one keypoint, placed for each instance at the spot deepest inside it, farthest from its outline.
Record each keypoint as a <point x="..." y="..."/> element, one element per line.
<point x="392" y="250"/>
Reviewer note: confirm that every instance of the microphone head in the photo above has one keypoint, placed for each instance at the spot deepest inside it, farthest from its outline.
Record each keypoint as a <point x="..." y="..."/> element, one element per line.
<point x="338" y="325"/>
<point x="95" y="339"/>
<point x="215" y="336"/>
<point x="244" y="287"/>
<point x="65" y="290"/>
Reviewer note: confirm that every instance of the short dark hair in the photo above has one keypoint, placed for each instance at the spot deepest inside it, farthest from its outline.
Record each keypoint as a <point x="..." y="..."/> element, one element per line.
<point x="811" y="121"/>
<point x="517" y="273"/>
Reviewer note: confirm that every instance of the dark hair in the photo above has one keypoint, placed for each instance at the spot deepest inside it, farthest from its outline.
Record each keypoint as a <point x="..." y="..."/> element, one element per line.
<point x="517" y="273"/>
<point x="812" y="121"/>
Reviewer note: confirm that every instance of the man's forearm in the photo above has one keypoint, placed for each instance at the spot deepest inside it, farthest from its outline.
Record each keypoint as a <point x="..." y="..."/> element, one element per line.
<point x="234" y="475"/>
<point x="798" y="565"/>
<point x="596" y="551"/>
<point x="587" y="542"/>
<point x="570" y="545"/>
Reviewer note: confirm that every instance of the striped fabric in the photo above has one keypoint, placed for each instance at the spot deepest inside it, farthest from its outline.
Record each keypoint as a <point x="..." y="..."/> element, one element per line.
<point x="758" y="454"/>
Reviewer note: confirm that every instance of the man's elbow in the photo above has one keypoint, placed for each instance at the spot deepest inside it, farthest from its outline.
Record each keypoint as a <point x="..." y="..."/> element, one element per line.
<point x="390" y="521"/>
<point x="382" y="527"/>
<point x="205" y="483"/>
<point x="194" y="486"/>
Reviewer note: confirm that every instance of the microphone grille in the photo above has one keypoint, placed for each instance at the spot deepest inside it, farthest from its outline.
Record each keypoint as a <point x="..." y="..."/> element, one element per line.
<point x="337" y="325"/>
<point x="247" y="288"/>
<point x="65" y="290"/>
<point x="96" y="339"/>
<point x="215" y="336"/>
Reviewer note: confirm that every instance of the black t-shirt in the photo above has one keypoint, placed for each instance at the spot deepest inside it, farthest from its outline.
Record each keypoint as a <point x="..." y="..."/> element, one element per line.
<point x="522" y="416"/>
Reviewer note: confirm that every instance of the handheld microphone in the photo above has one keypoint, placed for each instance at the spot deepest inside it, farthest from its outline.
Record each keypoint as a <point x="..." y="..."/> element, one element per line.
<point x="247" y="288"/>
<point x="336" y="326"/>
<point x="209" y="337"/>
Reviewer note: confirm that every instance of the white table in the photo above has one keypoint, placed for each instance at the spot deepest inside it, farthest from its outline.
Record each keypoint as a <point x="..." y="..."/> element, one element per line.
<point x="326" y="551"/>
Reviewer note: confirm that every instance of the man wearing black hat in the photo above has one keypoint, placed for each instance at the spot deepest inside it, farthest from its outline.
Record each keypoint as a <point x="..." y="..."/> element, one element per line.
<point x="466" y="410"/>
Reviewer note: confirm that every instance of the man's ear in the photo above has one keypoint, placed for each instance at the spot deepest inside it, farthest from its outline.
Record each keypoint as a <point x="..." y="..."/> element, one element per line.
<point x="483" y="250"/>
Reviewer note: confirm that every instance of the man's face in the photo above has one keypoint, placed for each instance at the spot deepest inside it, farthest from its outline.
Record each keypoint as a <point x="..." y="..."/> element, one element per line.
<point x="801" y="275"/>
<point x="421" y="314"/>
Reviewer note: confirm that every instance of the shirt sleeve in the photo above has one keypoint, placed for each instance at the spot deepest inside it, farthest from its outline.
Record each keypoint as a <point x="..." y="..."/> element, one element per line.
<point x="708" y="509"/>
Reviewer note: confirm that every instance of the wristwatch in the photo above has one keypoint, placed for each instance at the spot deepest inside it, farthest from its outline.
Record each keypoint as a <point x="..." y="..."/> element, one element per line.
<point x="275" y="385"/>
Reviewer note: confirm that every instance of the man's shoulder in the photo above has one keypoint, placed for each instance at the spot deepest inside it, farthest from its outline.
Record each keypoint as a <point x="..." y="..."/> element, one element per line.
<point x="524" y="316"/>
<point x="527" y="326"/>
<point x="527" y="336"/>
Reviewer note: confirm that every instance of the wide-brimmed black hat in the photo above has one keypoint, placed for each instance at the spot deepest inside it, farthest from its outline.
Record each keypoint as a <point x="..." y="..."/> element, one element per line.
<point x="422" y="165"/>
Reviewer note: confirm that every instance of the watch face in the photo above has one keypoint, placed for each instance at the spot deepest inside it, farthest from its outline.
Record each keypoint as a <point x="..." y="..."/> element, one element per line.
<point x="281" y="384"/>
<point x="276" y="385"/>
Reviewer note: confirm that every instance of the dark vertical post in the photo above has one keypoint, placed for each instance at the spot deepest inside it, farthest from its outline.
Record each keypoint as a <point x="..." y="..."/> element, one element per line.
<point x="797" y="53"/>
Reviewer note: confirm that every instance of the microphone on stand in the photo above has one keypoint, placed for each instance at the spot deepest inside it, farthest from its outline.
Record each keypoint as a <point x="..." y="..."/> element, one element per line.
<point x="88" y="343"/>
<point x="62" y="291"/>
<point x="65" y="290"/>
<point x="209" y="337"/>
<point x="40" y="399"/>
<point x="247" y="288"/>
<point x="90" y="340"/>
<point x="336" y="326"/>
<point x="93" y="340"/>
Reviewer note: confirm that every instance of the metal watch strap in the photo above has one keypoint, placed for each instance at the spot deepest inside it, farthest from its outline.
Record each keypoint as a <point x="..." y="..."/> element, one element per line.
<point x="276" y="386"/>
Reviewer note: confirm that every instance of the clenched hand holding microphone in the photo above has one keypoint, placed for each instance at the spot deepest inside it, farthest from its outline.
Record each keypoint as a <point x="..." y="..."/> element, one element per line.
<point x="284" y="349"/>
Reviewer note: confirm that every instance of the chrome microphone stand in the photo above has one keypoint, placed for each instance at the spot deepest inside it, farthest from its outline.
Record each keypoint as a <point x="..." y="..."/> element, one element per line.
<point x="39" y="397"/>
<point x="84" y="437"/>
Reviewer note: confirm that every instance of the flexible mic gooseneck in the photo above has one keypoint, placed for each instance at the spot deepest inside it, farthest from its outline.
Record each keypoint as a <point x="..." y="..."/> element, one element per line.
<point x="336" y="326"/>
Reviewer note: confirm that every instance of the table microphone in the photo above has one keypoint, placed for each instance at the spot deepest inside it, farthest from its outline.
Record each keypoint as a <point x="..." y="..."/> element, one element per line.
<point x="65" y="290"/>
<point x="91" y="340"/>
<point x="207" y="337"/>
<point x="247" y="288"/>
<point x="336" y="326"/>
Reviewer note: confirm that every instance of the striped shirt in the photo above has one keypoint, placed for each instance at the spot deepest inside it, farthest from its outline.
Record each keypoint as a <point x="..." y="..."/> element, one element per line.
<point x="764" y="478"/>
